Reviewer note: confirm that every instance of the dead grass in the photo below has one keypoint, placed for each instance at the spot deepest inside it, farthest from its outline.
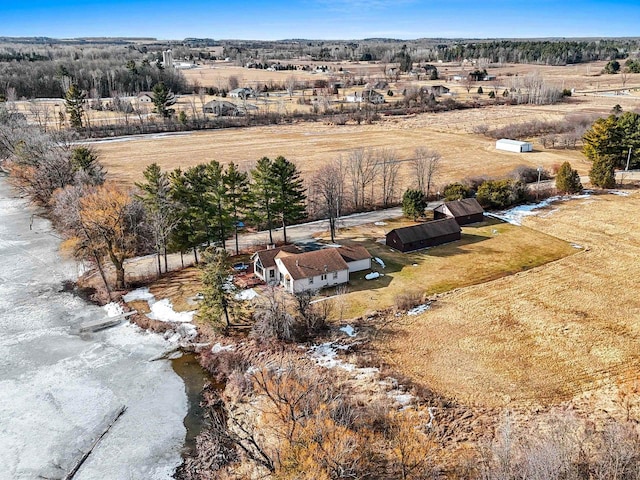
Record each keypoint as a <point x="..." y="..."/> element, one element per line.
<point x="312" y="145"/>
<point x="487" y="251"/>
<point x="544" y="335"/>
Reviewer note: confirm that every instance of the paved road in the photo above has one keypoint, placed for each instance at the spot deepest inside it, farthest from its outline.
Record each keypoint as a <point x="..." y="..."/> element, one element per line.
<point x="142" y="267"/>
<point x="138" y="268"/>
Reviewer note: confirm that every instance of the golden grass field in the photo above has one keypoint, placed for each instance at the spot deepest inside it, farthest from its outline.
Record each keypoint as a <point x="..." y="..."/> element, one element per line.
<point x="311" y="145"/>
<point x="550" y="334"/>
<point x="486" y="251"/>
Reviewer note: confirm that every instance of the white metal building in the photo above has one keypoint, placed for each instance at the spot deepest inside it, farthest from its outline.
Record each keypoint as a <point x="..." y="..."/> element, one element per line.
<point x="514" y="145"/>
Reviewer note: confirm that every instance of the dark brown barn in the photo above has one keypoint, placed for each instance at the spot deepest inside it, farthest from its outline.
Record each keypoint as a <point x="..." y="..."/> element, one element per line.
<point x="423" y="235"/>
<point x="465" y="211"/>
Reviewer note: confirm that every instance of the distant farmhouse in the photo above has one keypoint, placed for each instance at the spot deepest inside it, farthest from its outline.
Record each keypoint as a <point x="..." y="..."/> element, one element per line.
<point x="145" y="97"/>
<point x="369" y="95"/>
<point x="221" y="108"/>
<point x="298" y="272"/>
<point x="242" y="93"/>
<point x="464" y="211"/>
<point x="423" y="235"/>
<point x="514" y="146"/>
<point x="438" y="90"/>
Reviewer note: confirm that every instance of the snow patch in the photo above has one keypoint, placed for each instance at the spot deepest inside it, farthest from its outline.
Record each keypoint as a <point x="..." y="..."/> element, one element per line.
<point x="516" y="214"/>
<point x="139" y="294"/>
<point x="349" y="330"/>
<point x="380" y="262"/>
<point x="575" y="245"/>
<point x="619" y="193"/>
<point x="163" y="311"/>
<point x="372" y="275"/>
<point x="113" y="309"/>
<point x="380" y="224"/>
<point x="248" y="294"/>
<point x="218" y="347"/>
<point x="419" y="309"/>
<point x="402" y="398"/>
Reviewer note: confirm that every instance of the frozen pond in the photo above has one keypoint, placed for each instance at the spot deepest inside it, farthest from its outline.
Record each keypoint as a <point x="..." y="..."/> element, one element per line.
<point x="56" y="389"/>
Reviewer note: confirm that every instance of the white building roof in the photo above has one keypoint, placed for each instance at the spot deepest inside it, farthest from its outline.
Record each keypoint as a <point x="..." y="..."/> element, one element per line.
<point x="507" y="141"/>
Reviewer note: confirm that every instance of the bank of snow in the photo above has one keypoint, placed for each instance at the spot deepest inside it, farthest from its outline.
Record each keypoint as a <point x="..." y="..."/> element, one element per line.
<point x="162" y="310"/>
<point x="516" y="214"/>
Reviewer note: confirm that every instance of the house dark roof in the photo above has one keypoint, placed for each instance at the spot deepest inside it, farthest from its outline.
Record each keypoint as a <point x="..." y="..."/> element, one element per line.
<point x="311" y="264"/>
<point x="268" y="257"/>
<point x="462" y="208"/>
<point x="353" y="253"/>
<point x="433" y="229"/>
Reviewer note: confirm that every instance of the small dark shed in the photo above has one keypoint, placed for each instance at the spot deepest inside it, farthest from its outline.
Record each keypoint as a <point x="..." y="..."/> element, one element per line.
<point x="465" y="211"/>
<point x="423" y="235"/>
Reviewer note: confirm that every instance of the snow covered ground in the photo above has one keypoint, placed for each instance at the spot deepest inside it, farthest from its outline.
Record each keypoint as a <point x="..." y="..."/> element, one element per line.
<point x="57" y="389"/>
<point x="162" y="310"/>
<point x="515" y="215"/>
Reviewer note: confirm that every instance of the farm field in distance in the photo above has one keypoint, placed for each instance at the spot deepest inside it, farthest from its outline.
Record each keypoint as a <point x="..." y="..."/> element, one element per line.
<point x="312" y="144"/>
<point x="557" y="333"/>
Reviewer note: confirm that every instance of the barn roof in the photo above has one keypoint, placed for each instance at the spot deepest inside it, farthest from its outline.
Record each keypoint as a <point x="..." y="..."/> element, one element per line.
<point x="311" y="264"/>
<point x="462" y="208"/>
<point x="353" y="253"/>
<point x="268" y="257"/>
<point x="422" y="231"/>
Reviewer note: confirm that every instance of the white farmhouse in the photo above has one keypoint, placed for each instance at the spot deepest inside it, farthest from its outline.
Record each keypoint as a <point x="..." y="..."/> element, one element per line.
<point x="298" y="272"/>
<point x="513" y="145"/>
<point x="264" y="263"/>
<point x="311" y="270"/>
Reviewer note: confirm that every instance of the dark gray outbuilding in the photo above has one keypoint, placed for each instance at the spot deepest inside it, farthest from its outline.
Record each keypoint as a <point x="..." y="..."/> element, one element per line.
<point x="464" y="211"/>
<point x="423" y="235"/>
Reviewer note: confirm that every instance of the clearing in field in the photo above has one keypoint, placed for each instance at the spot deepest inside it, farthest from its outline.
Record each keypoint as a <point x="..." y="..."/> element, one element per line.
<point x="541" y="336"/>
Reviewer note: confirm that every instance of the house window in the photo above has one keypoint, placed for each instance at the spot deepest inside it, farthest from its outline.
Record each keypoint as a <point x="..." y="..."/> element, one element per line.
<point x="259" y="270"/>
<point x="310" y="280"/>
<point x="323" y="276"/>
<point x="272" y="274"/>
<point x="335" y="275"/>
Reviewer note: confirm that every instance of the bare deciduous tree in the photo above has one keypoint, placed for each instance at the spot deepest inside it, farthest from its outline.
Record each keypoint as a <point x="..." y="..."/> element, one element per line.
<point x="426" y="167"/>
<point x="328" y="184"/>
<point x="362" y="167"/>
<point x="290" y="84"/>
<point x="389" y="166"/>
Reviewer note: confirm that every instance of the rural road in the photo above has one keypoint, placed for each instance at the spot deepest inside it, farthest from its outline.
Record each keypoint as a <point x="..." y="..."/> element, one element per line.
<point x="144" y="267"/>
<point x="138" y="268"/>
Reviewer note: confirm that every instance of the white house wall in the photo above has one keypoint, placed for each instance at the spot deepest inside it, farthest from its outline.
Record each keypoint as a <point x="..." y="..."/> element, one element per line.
<point x="303" y="284"/>
<point x="359" y="265"/>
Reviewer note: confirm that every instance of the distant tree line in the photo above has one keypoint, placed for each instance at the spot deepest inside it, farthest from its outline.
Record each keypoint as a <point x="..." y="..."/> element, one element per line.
<point x="48" y="72"/>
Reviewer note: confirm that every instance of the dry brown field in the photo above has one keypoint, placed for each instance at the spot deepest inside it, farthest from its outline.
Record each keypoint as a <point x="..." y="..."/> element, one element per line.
<point x="563" y="332"/>
<point x="487" y="250"/>
<point x="311" y="145"/>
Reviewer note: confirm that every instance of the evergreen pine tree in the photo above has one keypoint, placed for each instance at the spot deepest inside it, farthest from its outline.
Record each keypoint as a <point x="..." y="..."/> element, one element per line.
<point x="163" y="98"/>
<point x="74" y="104"/>
<point x="263" y="194"/>
<point x="218" y="298"/>
<point x="290" y="195"/>
<point x="414" y="203"/>
<point x="237" y="196"/>
<point x="568" y="180"/>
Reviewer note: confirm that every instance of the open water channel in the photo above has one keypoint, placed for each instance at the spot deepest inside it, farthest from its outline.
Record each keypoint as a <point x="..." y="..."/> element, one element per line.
<point x="57" y="389"/>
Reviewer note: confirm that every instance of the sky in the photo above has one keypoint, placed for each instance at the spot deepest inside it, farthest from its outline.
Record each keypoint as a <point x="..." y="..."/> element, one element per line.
<point x="319" y="19"/>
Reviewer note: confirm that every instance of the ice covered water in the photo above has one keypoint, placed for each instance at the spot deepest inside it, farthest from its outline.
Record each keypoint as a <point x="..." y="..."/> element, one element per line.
<point x="57" y="389"/>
